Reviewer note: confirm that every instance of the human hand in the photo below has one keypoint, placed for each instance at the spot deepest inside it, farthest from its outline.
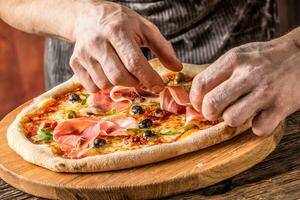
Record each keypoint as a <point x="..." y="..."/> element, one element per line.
<point x="257" y="79"/>
<point x="107" y="50"/>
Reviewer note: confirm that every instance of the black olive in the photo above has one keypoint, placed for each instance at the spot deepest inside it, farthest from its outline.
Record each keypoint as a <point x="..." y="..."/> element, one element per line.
<point x="74" y="97"/>
<point x="148" y="133"/>
<point x="99" y="143"/>
<point x="136" y="109"/>
<point x="90" y="113"/>
<point x="146" y="123"/>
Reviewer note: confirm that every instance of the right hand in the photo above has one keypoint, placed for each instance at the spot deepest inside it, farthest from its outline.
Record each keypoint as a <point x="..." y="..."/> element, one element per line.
<point x="108" y="38"/>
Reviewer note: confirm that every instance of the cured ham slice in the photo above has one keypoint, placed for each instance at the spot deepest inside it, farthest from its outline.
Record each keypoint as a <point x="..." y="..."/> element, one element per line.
<point x="141" y="90"/>
<point x="192" y="116"/>
<point x="101" y="102"/>
<point x="174" y="99"/>
<point x="122" y="93"/>
<point x="75" y="137"/>
<point x="180" y="95"/>
<point x="118" y="97"/>
<point x="122" y="120"/>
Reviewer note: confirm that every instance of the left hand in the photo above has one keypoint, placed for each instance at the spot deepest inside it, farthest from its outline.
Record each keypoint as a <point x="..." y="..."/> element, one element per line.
<point x="259" y="79"/>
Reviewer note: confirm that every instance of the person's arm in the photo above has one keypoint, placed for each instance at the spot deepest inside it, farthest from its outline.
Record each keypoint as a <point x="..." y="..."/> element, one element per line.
<point x="54" y="18"/>
<point x="107" y="39"/>
<point x="260" y="79"/>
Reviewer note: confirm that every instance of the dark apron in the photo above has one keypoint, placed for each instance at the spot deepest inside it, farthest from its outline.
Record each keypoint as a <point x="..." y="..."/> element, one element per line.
<point x="199" y="30"/>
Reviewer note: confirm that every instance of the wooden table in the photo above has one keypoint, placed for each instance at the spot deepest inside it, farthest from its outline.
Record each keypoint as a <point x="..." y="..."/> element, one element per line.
<point x="277" y="177"/>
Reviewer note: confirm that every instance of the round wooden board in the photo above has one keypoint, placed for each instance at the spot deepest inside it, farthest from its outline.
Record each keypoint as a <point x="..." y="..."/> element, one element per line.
<point x="184" y="173"/>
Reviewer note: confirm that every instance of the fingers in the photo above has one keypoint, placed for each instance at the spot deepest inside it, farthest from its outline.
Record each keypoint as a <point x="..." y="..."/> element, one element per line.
<point x="215" y="101"/>
<point x="245" y="108"/>
<point x="162" y="48"/>
<point x="112" y="66"/>
<point x="207" y="80"/>
<point x="135" y="62"/>
<point x="83" y="76"/>
<point x="266" y="122"/>
<point x="96" y="73"/>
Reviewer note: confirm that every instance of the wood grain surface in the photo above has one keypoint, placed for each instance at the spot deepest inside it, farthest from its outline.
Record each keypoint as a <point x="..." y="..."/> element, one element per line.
<point x="184" y="173"/>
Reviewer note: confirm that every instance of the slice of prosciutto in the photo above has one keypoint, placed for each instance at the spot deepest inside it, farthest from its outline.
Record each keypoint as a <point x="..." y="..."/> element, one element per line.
<point x="102" y="102"/>
<point x="174" y="99"/>
<point x="76" y="136"/>
<point x="193" y="116"/>
<point x="122" y="93"/>
<point x="73" y="136"/>
<point x="118" y="97"/>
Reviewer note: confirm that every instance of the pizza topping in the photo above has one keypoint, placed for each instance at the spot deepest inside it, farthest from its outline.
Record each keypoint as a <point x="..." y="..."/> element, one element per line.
<point x="70" y="114"/>
<point x="76" y="136"/>
<point x="122" y="120"/>
<point x="136" y="109"/>
<point x="146" y="123"/>
<point x="102" y="102"/>
<point x="192" y="116"/>
<point x="44" y="134"/>
<point x="174" y="99"/>
<point x="144" y="92"/>
<point x="178" y="131"/>
<point x="73" y="97"/>
<point x="98" y="142"/>
<point x="180" y="77"/>
<point x="122" y="93"/>
<point x="84" y="98"/>
<point x="148" y="134"/>
<point x="157" y="114"/>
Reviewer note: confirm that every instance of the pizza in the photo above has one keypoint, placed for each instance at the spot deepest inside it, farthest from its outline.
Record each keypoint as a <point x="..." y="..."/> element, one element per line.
<point x="68" y="129"/>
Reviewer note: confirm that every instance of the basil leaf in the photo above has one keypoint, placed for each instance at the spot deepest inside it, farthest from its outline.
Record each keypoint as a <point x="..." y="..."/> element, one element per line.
<point x="43" y="135"/>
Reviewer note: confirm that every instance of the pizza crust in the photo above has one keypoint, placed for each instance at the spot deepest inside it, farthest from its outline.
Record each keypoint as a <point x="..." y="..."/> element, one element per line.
<point x="42" y="155"/>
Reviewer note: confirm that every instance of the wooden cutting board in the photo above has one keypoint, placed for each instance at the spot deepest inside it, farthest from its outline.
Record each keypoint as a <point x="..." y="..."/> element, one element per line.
<point x="184" y="173"/>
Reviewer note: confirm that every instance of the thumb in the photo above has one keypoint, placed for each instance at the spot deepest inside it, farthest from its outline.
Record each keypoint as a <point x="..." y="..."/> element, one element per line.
<point x="162" y="48"/>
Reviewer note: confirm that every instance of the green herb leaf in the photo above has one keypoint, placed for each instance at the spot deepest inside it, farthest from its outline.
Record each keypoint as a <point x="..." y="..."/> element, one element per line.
<point x="188" y="127"/>
<point x="171" y="132"/>
<point x="43" y="135"/>
<point x="112" y="112"/>
<point x="154" y="103"/>
<point x="166" y="81"/>
<point x="181" y="130"/>
<point x="84" y="98"/>
<point x="135" y="130"/>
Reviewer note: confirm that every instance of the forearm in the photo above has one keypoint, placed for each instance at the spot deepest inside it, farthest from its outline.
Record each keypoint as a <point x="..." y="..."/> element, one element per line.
<point x="55" y="18"/>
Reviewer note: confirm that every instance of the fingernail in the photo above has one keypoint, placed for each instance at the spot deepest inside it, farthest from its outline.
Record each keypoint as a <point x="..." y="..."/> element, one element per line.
<point x="157" y="88"/>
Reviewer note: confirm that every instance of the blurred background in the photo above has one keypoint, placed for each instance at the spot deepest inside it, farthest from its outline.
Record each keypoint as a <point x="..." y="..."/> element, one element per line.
<point x="21" y="59"/>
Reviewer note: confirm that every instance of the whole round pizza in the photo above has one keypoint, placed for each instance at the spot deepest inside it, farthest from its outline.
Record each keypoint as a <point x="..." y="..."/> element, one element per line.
<point x="68" y="129"/>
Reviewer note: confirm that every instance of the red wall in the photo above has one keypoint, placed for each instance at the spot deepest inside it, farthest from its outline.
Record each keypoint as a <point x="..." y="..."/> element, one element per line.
<point x="21" y="67"/>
